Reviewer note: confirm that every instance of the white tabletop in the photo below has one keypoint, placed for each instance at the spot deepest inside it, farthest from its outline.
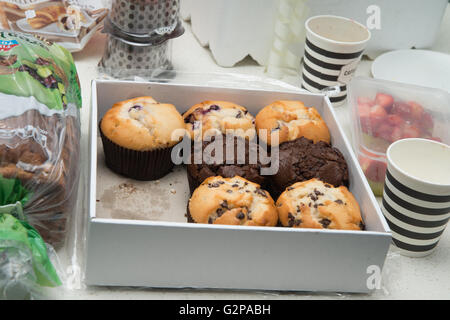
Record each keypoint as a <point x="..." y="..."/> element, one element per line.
<point x="403" y="277"/>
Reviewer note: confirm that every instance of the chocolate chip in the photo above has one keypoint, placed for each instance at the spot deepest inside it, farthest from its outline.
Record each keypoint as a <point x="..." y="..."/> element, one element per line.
<point x="261" y="192"/>
<point x="230" y="191"/>
<point x="219" y="212"/>
<point x="362" y="226"/>
<point x="214" y="107"/>
<point x="210" y="220"/>
<point x="299" y="209"/>
<point x="297" y="222"/>
<point x="240" y="215"/>
<point x="224" y="204"/>
<point x="291" y="216"/>
<point x="220" y="182"/>
<point x="313" y="197"/>
<point x="290" y="188"/>
<point x="235" y="185"/>
<point x="325" y="222"/>
<point x="339" y="201"/>
<point x="327" y="185"/>
<point x="291" y="223"/>
<point x="239" y="115"/>
<point x="318" y="193"/>
<point x="213" y="185"/>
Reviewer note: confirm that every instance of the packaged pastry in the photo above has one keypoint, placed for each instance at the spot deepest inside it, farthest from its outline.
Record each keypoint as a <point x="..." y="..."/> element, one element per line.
<point x="68" y="23"/>
<point x="40" y="129"/>
<point x="232" y="201"/>
<point x="319" y="205"/>
<point x="138" y="136"/>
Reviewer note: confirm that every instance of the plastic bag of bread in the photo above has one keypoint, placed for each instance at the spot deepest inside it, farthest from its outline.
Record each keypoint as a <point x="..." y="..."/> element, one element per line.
<point x="40" y="129"/>
<point x="70" y="23"/>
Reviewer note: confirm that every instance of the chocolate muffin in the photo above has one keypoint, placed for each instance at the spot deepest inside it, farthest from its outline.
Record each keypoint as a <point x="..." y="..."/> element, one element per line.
<point x="301" y="160"/>
<point x="245" y="163"/>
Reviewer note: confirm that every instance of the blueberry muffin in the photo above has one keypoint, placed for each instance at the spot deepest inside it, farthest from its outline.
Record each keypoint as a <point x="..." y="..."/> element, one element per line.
<point x="232" y="201"/>
<point x="290" y="120"/>
<point x="301" y="160"/>
<point x="137" y="136"/>
<point x="319" y="205"/>
<point x="243" y="159"/>
<point x="219" y="117"/>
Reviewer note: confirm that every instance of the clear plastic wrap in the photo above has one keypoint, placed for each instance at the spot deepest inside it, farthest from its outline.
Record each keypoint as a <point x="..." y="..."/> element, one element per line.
<point x="382" y="284"/>
<point x="71" y="23"/>
<point x="39" y="137"/>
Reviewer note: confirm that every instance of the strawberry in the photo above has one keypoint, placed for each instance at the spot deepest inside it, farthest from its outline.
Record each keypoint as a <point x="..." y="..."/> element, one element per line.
<point x="384" y="131"/>
<point x="374" y="170"/>
<point x="377" y="115"/>
<point x="416" y="110"/>
<point x="425" y="123"/>
<point x="364" y="117"/>
<point x="410" y="131"/>
<point x="395" y="120"/>
<point x="396" y="134"/>
<point x="384" y="100"/>
<point x="365" y="100"/>
<point x="402" y="109"/>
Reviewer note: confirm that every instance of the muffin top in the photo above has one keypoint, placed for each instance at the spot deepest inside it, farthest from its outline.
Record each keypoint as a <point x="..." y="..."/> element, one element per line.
<point x="142" y="124"/>
<point x="232" y="201"/>
<point x="301" y="160"/>
<point x="290" y="120"/>
<point x="315" y="204"/>
<point x="243" y="159"/>
<point x="212" y="117"/>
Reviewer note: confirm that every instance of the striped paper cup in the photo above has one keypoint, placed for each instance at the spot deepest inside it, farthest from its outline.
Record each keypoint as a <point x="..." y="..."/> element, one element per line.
<point x="416" y="196"/>
<point x="333" y="48"/>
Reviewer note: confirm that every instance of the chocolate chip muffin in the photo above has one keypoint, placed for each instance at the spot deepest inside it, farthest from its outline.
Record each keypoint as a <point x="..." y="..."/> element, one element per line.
<point x="219" y="117"/>
<point x="138" y="137"/>
<point x="319" y="205"/>
<point x="301" y="160"/>
<point x="232" y="201"/>
<point x="242" y="159"/>
<point x="290" y="120"/>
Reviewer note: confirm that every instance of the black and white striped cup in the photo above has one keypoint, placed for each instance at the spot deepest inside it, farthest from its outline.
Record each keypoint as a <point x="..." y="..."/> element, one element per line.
<point x="416" y="196"/>
<point x="333" y="48"/>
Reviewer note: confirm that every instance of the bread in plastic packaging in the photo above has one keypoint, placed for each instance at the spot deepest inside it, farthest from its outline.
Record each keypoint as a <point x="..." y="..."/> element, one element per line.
<point x="68" y="23"/>
<point x="40" y="129"/>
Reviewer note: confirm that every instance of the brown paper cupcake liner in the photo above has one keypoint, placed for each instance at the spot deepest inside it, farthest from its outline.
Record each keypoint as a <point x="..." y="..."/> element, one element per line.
<point x="138" y="165"/>
<point x="193" y="183"/>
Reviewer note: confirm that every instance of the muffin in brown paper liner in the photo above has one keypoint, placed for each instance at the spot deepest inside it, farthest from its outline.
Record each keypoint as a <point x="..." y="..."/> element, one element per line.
<point x="138" y="165"/>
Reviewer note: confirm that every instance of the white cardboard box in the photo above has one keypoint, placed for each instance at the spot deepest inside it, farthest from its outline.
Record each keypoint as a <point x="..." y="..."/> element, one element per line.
<point x="177" y="254"/>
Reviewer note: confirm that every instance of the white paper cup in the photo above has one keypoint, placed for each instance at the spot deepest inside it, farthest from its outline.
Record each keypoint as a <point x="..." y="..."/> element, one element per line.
<point x="416" y="196"/>
<point x="333" y="48"/>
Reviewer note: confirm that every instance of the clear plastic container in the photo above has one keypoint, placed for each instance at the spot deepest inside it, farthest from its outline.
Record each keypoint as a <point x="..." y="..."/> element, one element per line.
<point x="382" y="112"/>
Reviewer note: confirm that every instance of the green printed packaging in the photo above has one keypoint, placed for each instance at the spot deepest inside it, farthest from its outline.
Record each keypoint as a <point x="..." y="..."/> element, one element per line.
<point x="40" y="99"/>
